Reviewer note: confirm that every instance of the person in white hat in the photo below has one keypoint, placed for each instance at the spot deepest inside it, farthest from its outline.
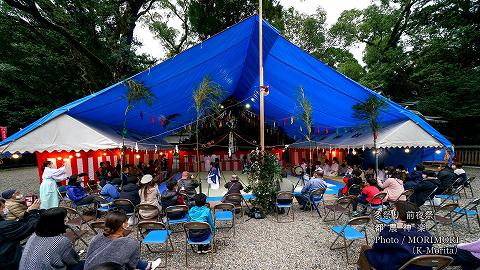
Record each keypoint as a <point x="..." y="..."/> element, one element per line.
<point x="148" y="194"/>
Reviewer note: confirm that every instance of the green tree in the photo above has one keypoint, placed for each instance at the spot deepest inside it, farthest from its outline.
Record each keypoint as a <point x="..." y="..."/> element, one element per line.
<point x="209" y="17"/>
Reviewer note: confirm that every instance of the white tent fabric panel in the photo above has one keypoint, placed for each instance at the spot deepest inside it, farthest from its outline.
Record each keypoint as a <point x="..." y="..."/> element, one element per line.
<point x="401" y="134"/>
<point x="70" y="134"/>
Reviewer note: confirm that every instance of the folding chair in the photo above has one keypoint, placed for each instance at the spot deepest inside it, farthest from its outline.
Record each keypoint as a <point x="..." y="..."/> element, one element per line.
<point x="124" y="204"/>
<point x="99" y="225"/>
<point x="284" y="201"/>
<point x="224" y="212"/>
<point x="149" y="208"/>
<point x="353" y="188"/>
<point x="74" y="218"/>
<point x="454" y="196"/>
<point x="468" y="184"/>
<point x="155" y="233"/>
<point x="188" y="226"/>
<point x="349" y="232"/>
<point x="407" y="193"/>
<point x="341" y="205"/>
<point x="438" y="261"/>
<point x="62" y="192"/>
<point x="74" y="222"/>
<point x="315" y="199"/>
<point x="176" y="210"/>
<point x="102" y="205"/>
<point x="237" y="200"/>
<point x="469" y="210"/>
<point x="446" y="218"/>
<point x="379" y="196"/>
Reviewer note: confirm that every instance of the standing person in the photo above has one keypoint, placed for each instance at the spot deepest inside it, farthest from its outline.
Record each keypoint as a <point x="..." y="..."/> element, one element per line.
<point x="201" y="213"/>
<point x="13" y="232"/>
<point x="164" y="166"/>
<point x="14" y="204"/>
<point x="213" y="177"/>
<point x="393" y="186"/>
<point x="315" y="183"/>
<point x="48" y="248"/>
<point x="148" y="194"/>
<point x="49" y="195"/>
<point x="112" y="246"/>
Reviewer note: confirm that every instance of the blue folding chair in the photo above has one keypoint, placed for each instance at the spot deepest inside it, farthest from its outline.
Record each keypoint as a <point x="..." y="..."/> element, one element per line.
<point x="453" y="196"/>
<point x="189" y="226"/>
<point x="224" y="212"/>
<point x="284" y="201"/>
<point x="469" y="210"/>
<point x="177" y="210"/>
<point x="124" y="204"/>
<point x="315" y="199"/>
<point x="349" y="233"/>
<point x="156" y="233"/>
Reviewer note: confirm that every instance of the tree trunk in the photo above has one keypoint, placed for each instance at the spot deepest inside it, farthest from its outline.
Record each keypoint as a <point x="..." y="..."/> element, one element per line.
<point x="376" y="154"/>
<point x="198" y="154"/>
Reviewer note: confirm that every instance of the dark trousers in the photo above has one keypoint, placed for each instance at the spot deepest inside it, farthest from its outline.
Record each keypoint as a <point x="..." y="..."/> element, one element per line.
<point x="86" y="200"/>
<point x="357" y="201"/>
<point x="466" y="260"/>
<point x="200" y="236"/>
<point x="302" y="199"/>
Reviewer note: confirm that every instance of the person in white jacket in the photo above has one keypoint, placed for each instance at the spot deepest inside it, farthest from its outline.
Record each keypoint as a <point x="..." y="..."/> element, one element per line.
<point x="49" y="196"/>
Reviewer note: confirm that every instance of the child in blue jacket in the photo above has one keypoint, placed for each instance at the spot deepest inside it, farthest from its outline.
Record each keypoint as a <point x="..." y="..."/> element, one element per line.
<point x="201" y="213"/>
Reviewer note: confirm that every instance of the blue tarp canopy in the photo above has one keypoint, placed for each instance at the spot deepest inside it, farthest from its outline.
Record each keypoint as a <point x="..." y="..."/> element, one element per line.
<point x="230" y="59"/>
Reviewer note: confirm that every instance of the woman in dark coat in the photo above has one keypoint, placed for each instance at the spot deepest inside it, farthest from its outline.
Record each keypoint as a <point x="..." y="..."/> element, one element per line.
<point x="130" y="191"/>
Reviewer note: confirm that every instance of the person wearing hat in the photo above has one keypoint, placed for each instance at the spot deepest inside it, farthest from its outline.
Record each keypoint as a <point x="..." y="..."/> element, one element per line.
<point x="110" y="191"/>
<point x="315" y="183"/>
<point x="77" y="193"/>
<point x="233" y="186"/>
<point x="14" y="204"/>
<point x="149" y="195"/>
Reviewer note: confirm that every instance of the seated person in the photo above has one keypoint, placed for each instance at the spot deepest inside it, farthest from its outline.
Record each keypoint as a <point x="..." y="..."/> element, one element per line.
<point x="467" y="256"/>
<point x="170" y="197"/>
<point x="326" y="168"/>
<point x="113" y="247"/>
<point x="48" y="248"/>
<point x="370" y="171"/>
<point x="149" y="195"/>
<point x="315" y="183"/>
<point x="14" y="204"/>
<point x="233" y="187"/>
<point x="342" y="170"/>
<point x="334" y="167"/>
<point x="354" y="180"/>
<point x="460" y="173"/>
<point x="366" y="196"/>
<point x="188" y="185"/>
<point x="110" y="191"/>
<point x="424" y="188"/>
<point x="414" y="177"/>
<point x="392" y="255"/>
<point x="130" y="192"/>
<point x="381" y="175"/>
<point x="393" y="186"/>
<point x="401" y="172"/>
<point x="201" y="213"/>
<point x="77" y="193"/>
<point x="13" y="232"/>
<point x="446" y="177"/>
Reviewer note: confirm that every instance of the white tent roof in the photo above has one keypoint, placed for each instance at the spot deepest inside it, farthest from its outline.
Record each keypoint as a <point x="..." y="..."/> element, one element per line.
<point x="400" y="134"/>
<point x="70" y="134"/>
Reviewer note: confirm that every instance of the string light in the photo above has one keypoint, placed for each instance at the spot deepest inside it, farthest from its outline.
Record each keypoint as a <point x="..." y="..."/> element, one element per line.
<point x="59" y="158"/>
<point x="77" y="154"/>
<point x="354" y="152"/>
<point x="137" y="156"/>
<point x="104" y="154"/>
<point x="247" y="106"/>
<point x="70" y="156"/>
<point x="407" y="150"/>
<point x="438" y="151"/>
<point x="15" y="156"/>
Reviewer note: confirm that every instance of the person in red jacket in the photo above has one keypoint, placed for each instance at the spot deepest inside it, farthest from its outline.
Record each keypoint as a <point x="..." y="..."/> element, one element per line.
<point x="366" y="196"/>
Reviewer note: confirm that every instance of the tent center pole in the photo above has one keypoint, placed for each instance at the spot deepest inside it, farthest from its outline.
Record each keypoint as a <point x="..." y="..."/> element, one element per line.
<point x="260" y="62"/>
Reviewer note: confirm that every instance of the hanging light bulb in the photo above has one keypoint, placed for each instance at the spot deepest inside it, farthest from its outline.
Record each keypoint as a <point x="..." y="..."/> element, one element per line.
<point x="15" y="156"/>
<point x="407" y="150"/>
<point x="77" y="154"/>
<point x="363" y="147"/>
<point x="354" y="152"/>
<point x="438" y="151"/>
<point x="155" y="148"/>
<point x="70" y="156"/>
<point x="59" y="158"/>
<point x="137" y="156"/>
<point x="176" y="148"/>
<point x="247" y="105"/>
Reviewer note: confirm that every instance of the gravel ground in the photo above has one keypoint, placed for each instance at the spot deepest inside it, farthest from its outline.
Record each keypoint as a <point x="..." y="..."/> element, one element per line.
<point x="264" y="244"/>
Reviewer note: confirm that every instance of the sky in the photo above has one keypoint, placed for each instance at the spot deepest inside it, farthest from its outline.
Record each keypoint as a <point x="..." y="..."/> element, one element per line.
<point x="334" y="8"/>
